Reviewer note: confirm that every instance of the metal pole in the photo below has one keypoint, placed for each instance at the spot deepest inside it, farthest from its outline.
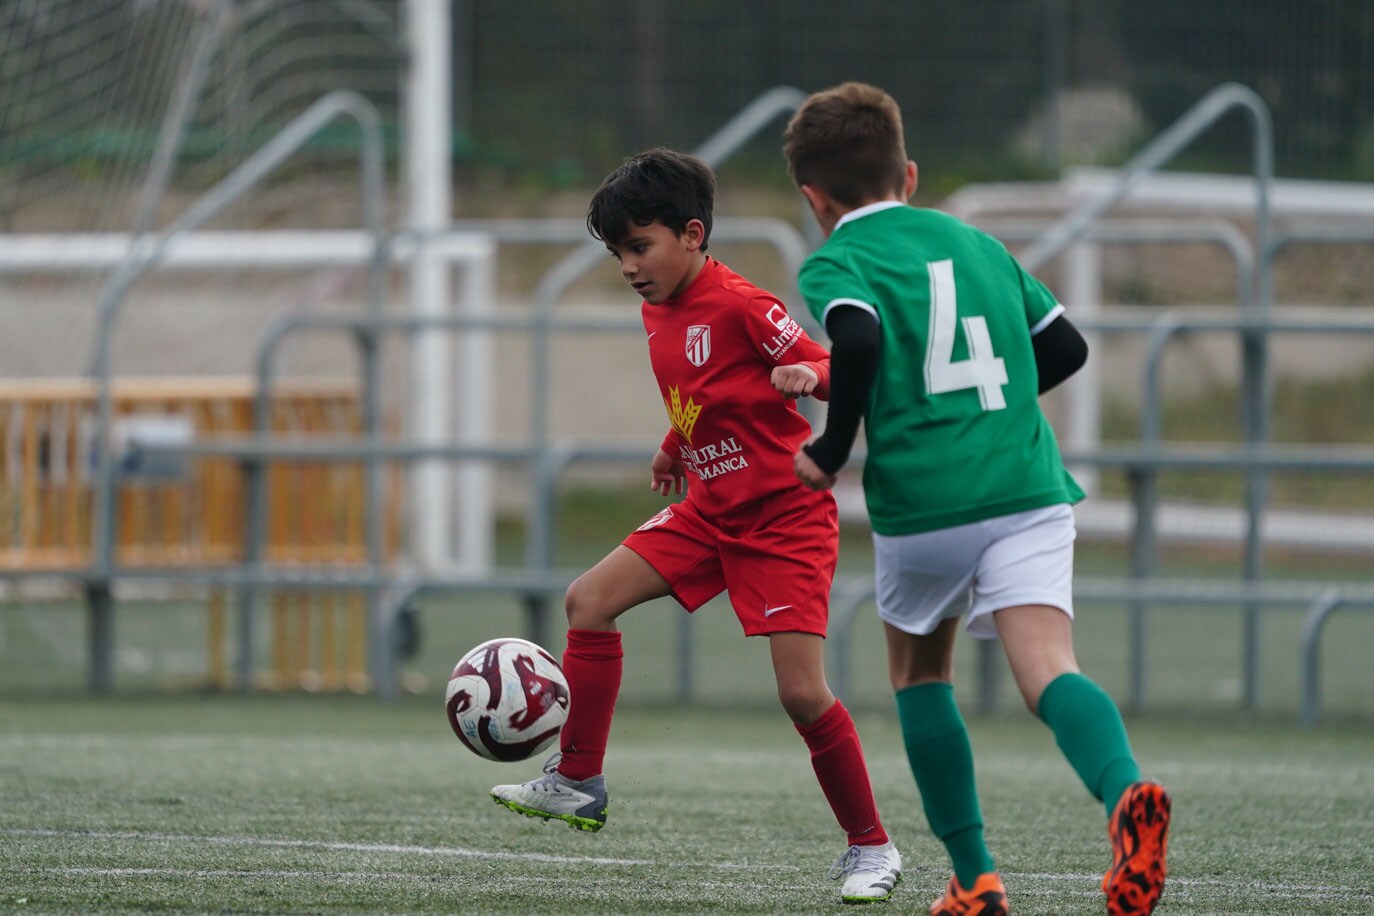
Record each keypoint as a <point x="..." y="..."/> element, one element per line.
<point x="429" y="162"/>
<point x="1144" y="484"/>
<point x="1312" y="626"/>
<point x="1255" y="396"/>
<point x="1083" y="292"/>
<point x="540" y="539"/>
<point x="100" y="636"/>
<point x="385" y="606"/>
<point x="475" y="485"/>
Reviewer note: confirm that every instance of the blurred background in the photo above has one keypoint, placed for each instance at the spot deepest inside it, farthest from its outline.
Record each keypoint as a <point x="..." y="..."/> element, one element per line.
<point x="310" y="378"/>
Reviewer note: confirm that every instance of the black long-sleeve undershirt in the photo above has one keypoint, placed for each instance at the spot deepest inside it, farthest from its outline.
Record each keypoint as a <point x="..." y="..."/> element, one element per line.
<point x="1060" y="351"/>
<point x="856" y="343"/>
<point x="856" y="346"/>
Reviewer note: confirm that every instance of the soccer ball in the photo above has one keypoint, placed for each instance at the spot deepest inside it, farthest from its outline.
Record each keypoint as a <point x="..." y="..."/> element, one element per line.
<point x="507" y="699"/>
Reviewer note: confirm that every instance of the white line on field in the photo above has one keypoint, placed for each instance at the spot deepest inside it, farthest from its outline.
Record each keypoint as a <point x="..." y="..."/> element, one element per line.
<point x="223" y="873"/>
<point x="453" y="851"/>
<point x="1313" y="891"/>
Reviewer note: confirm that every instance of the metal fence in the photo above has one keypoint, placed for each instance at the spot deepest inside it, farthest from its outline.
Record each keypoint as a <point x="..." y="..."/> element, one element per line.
<point x="538" y="578"/>
<point x="555" y="93"/>
<point x="580" y="121"/>
<point x="988" y="89"/>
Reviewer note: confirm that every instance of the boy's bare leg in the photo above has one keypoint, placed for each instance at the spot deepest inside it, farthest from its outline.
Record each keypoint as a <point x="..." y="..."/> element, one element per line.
<point x="592" y="661"/>
<point x="799" y="666"/>
<point x="1038" y="641"/>
<point x="622" y="580"/>
<point x="921" y="658"/>
<point x="572" y="788"/>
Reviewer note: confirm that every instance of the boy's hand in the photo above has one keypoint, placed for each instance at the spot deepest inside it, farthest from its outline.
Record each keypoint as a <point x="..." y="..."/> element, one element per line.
<point x="794" y="381"/>
<point x="811" y="475"/>
<point x="667" y="473"/>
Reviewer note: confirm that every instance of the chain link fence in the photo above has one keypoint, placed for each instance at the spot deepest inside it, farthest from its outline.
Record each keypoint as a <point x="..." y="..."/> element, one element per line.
<point x="556" y="93"/>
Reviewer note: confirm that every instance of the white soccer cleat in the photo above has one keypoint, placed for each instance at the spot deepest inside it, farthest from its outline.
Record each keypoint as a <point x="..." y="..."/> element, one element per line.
<point x="553" y="795"/>
<point x="870" y="872"/>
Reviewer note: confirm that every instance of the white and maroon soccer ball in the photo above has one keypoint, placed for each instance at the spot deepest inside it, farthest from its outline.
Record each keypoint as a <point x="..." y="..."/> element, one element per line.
<point x="507" y="699"/>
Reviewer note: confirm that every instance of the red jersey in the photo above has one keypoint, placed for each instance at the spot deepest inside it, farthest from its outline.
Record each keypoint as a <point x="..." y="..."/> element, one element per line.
<point x="713" y="350"/>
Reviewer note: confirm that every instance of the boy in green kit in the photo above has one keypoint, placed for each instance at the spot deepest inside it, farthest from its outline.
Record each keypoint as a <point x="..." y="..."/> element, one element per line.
<point x="942" y="344"/>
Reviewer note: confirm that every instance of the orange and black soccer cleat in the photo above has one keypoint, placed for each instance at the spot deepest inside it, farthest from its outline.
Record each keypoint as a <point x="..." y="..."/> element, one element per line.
<point x="1139" y="831"/>
<point x="987" y="897"/>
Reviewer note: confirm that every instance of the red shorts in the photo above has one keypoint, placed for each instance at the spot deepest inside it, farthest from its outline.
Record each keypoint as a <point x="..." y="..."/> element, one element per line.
<point x="775" y="556"/>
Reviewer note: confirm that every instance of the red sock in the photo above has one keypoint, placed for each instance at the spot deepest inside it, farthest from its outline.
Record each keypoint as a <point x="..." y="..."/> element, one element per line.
<point x="592" y="663"/>
<point x="838" y="760"/>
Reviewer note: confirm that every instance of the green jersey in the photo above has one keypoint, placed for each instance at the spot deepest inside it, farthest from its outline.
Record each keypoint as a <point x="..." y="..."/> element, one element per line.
<point x="953" y="424"/>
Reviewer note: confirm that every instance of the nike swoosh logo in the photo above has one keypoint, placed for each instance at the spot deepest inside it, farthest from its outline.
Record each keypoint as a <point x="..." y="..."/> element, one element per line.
<point x="770" y="611"/>
<point x="651" y="336"/>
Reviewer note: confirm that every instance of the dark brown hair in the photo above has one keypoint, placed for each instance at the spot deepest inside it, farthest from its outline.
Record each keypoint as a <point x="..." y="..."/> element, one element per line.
<point x="848" y="142"/>
<point x="657" y="184"/>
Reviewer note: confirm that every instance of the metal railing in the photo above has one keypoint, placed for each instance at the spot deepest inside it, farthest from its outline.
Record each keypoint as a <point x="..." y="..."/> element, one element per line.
<point x="1255" y="360"/>
<point x="391" y="590"/>
<point x="547" y="459"/>
<point x="146" y="253"/>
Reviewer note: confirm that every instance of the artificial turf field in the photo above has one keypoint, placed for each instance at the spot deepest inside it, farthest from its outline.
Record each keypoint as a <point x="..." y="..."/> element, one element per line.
<point x="167" y="798"/>
<point x="343" y="804"/>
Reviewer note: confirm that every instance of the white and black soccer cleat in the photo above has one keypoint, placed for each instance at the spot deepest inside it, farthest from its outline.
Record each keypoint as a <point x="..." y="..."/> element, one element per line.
<point x="870" y="872"/>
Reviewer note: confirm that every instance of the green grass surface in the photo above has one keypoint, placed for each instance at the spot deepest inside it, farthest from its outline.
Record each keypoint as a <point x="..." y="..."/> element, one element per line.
<point x="168" y="799"/>
<point x="313" y="804"/>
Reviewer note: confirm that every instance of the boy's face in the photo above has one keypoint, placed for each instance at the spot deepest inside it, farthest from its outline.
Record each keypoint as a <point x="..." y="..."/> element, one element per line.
<point x="659" y="263"/>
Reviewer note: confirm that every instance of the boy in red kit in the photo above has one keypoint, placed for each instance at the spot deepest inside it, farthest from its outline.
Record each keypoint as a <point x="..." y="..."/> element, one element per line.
<point x="729" y="363"/>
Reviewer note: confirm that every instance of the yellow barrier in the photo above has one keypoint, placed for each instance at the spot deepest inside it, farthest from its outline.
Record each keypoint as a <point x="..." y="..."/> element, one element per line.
<point x="193" y="516"/>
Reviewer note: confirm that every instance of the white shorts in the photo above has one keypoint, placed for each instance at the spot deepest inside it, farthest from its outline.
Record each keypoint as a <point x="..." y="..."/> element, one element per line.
<point x="982" y="567"/>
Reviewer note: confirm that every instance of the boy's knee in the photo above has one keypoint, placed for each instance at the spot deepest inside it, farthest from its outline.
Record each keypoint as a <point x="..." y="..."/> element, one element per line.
<point x="1032" y="682"/>
<point x="914" y="673"/>
<point x="585" y="605"/>
<point x="805" y="702"/>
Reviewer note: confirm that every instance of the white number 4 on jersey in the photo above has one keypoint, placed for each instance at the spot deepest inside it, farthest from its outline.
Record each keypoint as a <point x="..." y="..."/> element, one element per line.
<point x="983" y="369"/>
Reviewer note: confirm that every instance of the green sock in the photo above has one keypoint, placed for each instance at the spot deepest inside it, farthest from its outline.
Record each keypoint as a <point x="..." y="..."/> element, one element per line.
<point x="937" y="747"/>
<point x="1087" y="727"/>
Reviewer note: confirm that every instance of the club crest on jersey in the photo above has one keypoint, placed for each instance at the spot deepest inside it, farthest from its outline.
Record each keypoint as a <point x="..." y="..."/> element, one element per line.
<point x="698" y="344"/>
